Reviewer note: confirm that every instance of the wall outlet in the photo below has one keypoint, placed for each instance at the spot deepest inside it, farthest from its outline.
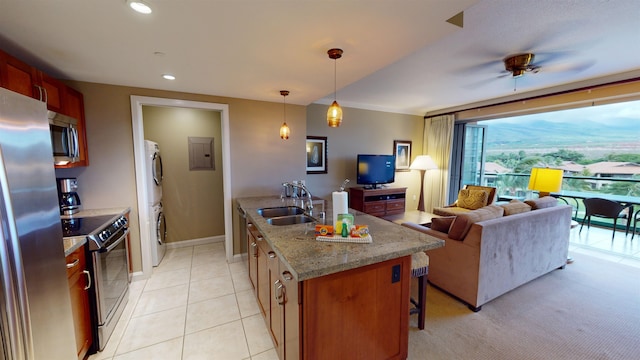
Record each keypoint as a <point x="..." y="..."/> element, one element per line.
<point x="414" y="198"/>
<point x="395" y="274"/>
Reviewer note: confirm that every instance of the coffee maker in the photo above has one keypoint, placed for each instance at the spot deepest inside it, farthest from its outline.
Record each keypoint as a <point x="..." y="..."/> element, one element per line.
<point x="68" y="196"/>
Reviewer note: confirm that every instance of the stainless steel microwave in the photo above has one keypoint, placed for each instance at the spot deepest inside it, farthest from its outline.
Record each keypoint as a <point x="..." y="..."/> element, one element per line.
<point x="64" y="138"/>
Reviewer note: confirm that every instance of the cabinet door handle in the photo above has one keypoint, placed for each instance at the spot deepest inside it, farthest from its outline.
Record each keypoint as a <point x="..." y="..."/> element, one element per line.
<point x="287" y="276"/>
<point x="88" y="279"/>
<point x="279" y="292"/>
<point x="272" y="255"/>
<point x="73" y="264"/>
<point x="39" y="91"/>
<point x="260" y="238"/>
<point x="254" y="247"/>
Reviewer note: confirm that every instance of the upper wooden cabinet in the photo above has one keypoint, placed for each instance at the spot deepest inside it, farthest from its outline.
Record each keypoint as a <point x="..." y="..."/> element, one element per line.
<point x="22" y="78"/>
<point x="18" y="76"/>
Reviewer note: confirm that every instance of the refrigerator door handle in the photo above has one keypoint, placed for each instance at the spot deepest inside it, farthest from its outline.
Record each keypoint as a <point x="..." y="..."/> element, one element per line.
<point x="13" y="280"/>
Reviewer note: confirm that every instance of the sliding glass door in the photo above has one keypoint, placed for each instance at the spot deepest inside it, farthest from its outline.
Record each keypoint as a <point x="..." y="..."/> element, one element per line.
<point x="467" y="157"/>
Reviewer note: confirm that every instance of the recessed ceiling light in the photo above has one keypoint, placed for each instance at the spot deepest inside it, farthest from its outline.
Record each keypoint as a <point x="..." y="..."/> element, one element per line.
<point x="168" y="77"/>
<point x="140" y="6"/>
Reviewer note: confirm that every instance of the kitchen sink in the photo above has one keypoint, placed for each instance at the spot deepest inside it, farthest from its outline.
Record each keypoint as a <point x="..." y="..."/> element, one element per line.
<point x="290" y="220"/>
<point x="280" y="211"/>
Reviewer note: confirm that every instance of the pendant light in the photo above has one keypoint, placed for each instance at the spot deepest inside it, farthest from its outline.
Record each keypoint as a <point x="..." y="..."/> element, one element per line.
<point x="284" y="129"/>
<point x="334" y="114"/>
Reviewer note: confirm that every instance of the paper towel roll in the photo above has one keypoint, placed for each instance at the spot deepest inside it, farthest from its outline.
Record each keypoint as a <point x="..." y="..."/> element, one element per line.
<point x="340" y="204"/>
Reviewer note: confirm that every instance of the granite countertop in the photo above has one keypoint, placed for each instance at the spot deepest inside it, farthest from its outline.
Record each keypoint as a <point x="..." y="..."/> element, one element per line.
<point x="72" y="243"/>
<point x="307" y="258"/>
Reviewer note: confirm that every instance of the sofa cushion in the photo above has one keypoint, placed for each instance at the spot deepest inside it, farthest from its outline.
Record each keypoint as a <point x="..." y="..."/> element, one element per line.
<point x="515" y="207"/>
<point x="462" y="223"/>
<point x="442" y="224"/>
<point x="541" y="203"/>
<point x="450" y="211"/>
<point x="472" y="199"/>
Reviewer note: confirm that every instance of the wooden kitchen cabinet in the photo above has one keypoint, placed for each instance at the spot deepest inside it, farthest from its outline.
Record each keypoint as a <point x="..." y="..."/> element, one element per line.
<point x="277" y="294"/>
<point x="364" y="307"/>
<point x="263" y="288"/>
<point x="252" y="257"/>
<point x="22" y="78"/>
<point x="290" y="305"/>
<point x="79" y="279"/>
<point x="360" y="313"/>
<point x="53" y="93"/>
<point x="18" y="76"/>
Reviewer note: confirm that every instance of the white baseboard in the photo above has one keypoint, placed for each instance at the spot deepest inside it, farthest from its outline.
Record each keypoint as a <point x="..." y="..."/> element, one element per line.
<point x="138" y="275"/>
<point x="194" y="242"/>
<point x="239" y="258"/>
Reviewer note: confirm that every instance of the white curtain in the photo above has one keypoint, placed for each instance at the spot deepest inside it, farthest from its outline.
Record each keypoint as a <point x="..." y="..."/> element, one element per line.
<point x="438" y="140"/>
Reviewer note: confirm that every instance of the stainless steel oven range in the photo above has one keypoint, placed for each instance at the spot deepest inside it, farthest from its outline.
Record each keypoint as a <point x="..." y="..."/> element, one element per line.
<point x="108" y="247"/>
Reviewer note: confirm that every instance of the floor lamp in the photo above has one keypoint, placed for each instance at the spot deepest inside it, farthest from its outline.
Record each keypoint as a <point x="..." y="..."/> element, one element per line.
<point x="422" y="163"/>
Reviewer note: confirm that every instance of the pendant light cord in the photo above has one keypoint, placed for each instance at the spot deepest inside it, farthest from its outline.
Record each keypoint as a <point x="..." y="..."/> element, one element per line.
<point x="335" y="80"/>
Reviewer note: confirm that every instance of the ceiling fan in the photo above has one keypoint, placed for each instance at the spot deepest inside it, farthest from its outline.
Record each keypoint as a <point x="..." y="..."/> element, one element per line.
<point x="519" y="64"/>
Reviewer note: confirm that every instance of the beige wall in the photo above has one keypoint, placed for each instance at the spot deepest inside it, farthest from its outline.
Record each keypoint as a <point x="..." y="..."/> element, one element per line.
<point x="192" y="200"/>
<point x="363" y="132"/>
<point x="260" y="160"/>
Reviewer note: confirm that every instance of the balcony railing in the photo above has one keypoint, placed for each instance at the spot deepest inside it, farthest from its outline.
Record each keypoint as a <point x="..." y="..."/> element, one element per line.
<point x="512" y="185"/>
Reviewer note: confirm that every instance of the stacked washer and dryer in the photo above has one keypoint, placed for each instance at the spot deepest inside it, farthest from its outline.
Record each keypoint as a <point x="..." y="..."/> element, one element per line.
<point x="157" y="225"/>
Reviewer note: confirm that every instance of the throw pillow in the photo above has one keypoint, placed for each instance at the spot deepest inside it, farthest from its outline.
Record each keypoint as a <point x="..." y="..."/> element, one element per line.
<point x="515" y="207"/>
<point x="462" y="223"/>
<point x="472" y="199"/>
<point x="442" y="224"/>
<point x="541" y="203"/>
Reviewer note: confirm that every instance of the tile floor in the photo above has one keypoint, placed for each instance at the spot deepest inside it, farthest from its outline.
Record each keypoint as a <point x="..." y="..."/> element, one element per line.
<point x="196" y="306"/>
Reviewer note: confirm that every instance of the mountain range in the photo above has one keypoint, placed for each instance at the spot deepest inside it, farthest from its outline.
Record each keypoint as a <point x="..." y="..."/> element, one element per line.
<point x="540" y="136"/>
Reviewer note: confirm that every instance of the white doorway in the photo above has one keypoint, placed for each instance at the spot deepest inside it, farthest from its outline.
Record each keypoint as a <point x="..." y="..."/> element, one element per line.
<point x="137" y="102"/>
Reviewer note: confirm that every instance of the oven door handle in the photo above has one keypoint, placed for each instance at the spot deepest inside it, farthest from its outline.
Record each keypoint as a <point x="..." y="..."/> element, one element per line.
<point x="116" y="243"/>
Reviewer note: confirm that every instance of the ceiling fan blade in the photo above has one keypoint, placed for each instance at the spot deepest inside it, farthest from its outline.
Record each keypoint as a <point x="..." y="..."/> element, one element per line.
<point x="483" y="67"/>
<point x="569" y="67"/>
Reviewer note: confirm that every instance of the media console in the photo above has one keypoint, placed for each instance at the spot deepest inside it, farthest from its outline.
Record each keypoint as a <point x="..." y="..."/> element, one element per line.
<point x="378" y="202"/>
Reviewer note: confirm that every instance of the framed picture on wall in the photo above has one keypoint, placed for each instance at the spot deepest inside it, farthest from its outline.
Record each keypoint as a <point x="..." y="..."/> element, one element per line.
<point x="316" y="154"/>
<point x="402" y="151"/>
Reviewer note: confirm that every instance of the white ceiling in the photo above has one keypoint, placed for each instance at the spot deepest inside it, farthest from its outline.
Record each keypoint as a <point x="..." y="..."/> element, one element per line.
<point x="399" y="55"/>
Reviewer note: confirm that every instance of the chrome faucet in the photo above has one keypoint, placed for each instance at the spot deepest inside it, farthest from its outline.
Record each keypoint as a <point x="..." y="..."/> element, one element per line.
<point x="308" y="207"/>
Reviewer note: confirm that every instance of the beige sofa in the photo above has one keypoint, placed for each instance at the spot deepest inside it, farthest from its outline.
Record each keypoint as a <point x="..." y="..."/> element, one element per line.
<point x="497" y="255"/>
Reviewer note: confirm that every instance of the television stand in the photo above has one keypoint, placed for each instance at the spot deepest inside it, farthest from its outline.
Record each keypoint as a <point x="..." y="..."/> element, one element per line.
<point x="373" y="186"/>
<point x="378" y="202"/>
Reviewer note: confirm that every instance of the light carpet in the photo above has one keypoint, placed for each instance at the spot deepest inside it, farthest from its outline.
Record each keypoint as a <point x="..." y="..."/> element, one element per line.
<point x="589" y="310"/>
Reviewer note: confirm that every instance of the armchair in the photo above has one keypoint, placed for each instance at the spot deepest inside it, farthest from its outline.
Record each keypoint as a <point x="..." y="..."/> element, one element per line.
<point x="470" y="198"/>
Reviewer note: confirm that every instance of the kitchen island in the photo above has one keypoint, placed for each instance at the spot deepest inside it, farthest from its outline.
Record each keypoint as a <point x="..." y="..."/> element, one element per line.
<point x="328" y="300"/>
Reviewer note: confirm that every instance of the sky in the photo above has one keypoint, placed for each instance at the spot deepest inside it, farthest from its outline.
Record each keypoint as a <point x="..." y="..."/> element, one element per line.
<point x="630" y="111"/>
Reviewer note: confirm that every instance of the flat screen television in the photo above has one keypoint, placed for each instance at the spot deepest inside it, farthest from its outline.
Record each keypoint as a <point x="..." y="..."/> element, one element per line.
<point x="375" y="170"/>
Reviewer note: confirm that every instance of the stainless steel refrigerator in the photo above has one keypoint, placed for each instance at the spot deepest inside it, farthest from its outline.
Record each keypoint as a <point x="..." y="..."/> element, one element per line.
<point x="35" y="306"/>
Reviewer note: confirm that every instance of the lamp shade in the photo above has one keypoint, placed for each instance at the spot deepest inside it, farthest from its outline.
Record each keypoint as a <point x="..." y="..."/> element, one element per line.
<point x="423" y="162"/>
<point x="545" y="180"/>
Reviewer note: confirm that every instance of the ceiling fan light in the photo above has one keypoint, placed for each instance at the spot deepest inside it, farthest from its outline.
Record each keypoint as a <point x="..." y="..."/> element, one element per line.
<point x="140" y="6"/>
<point x="334" y="115"/>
